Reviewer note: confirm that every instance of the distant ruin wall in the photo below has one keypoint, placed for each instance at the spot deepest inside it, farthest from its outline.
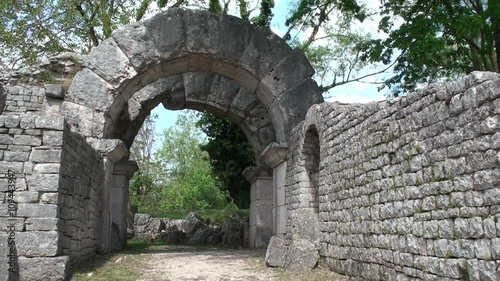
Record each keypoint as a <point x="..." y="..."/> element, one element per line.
<point x="408" y="188"/>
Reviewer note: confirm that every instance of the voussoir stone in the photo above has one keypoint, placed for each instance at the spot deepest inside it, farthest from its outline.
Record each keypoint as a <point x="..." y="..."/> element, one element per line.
<point x="135" y="42"/>
<point x="109" y="62"/>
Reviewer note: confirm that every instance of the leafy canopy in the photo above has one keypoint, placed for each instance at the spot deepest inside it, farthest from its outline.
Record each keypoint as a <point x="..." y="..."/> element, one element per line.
<point x="426" y="40"/>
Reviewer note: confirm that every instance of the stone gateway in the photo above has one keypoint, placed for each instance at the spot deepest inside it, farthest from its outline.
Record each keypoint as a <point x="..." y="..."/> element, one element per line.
<point x="401" y="189"/>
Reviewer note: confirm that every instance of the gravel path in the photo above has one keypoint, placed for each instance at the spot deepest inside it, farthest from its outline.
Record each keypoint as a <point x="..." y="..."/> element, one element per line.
<point x="181" y="263"/>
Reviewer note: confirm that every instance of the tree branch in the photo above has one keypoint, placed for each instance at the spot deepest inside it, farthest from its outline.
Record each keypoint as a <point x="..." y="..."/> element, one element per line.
<point x="335" y="84"/>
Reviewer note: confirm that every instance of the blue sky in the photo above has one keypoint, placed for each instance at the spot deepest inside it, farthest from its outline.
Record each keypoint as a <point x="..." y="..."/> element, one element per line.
<point x="350" y="93"/>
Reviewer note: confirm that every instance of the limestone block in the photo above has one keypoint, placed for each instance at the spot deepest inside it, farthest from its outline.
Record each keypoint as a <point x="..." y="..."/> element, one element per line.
<point x="52" y="138"/>
<point x="16" y="156"/>
<point x="292" y="102"/>
<point x="52" y="121"/>
<point x="135" y="42"/>
<point x="54" y="91"/>
<point x="12" y="121"/>
<point x="263" y="42"/>
<point x="46" y="156"/>
<point x="47" y="168"/>
<point x="192" y="223"/>
<point x="7" y="223"/>
<point x="276" y="252"/>
<point x="42" y="224"/>
<point x="167" y="33"/>
<point x="222" y="93"/>
<point x="240" y="32"/>
<point x="49" y="198"/>
<point x="6" y="139"/>
<point x="241" y="104"/>
<point x="109" y="62"/>
<point x="41" y="269"/>
<point x="302" y="256"/>
<point x="285" y="75"/>
<point x="26" y="197"/>
<point x="90" y="90"/>
<point x="37" y="243"/>
<point x="89" y="122"/>
<point x="37" y="210"/>
<point x="305" y="224"/>
<point x="43" y="182"/>
<point x="27" y="140"/>
<point x="197" y="88"/>
<point x="16" y="167"/>
<point x="487" y="270"/>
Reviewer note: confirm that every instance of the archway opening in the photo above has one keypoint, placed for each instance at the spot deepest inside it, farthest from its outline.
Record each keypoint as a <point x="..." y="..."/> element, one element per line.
<point x="205" y="92"/>
<point x="311" y="153"/>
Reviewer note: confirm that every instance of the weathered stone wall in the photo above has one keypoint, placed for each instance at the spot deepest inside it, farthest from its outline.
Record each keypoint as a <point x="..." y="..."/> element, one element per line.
<point x="408" y="188"/>
<point x="30" y="156"/>
<point x="23" y="98"/>
<point x="82" y="175"/>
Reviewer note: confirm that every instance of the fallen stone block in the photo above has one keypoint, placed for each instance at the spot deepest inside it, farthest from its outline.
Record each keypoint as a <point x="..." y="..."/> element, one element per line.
<point x="302" y="256"/>
<point x="276" y="252"/>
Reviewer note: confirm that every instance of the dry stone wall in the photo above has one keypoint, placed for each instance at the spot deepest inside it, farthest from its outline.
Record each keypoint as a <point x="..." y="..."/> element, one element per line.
<point x="408" y="188"/>
<point x="31" y="150"/>
<point x="82" y="174"/>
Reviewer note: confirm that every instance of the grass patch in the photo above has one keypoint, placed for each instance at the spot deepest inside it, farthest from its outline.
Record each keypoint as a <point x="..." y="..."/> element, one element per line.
<point x="126" y="265"/>
<point x="112" y="267"/>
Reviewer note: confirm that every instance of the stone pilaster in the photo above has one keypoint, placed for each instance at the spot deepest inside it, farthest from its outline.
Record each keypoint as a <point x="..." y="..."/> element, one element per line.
<point x="261" y="205"/>
<point x="275" y="156"/>
<point x="122" y="173"/>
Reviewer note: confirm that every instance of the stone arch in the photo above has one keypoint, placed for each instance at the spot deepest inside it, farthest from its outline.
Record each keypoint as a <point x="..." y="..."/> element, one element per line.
<point x="196" y="60"/>
<point x="311" y="158"/>
<point x="176" y="42"/>
<point x="200" y="91"/>
<point x="304" y="216"/>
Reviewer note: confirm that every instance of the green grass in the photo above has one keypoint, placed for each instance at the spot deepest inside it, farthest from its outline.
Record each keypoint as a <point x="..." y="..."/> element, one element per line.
<point x="122" y="266"/>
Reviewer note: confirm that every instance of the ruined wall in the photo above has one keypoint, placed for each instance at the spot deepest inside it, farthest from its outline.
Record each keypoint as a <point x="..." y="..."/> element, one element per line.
<point x="30" y="156"/>
<point x="408" y="188"/>
<point x="82" y="175"/>
<point x="23" y="98"/>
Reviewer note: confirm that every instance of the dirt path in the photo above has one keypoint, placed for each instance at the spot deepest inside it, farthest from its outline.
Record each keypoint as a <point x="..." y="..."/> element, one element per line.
<point x="181" y="263"/>
<point x="184" y="263"/>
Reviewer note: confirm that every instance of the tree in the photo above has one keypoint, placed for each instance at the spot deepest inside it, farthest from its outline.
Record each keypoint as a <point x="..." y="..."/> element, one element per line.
<point x="141" y="151"/>
<point x="426" y="40"/>
<point x="230" y="153"/>
<point x="437" y="39"/>
<point x="183" y="175"/>
<point x="32" y="29"/>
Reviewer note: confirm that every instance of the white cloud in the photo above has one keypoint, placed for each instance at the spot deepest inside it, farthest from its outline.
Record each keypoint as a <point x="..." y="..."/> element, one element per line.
<point x="355" y="93"/>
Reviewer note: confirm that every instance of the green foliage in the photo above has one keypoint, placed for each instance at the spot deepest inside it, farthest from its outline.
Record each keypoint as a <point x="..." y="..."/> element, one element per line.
<point x="30" y="29"/>
<point x="427" y="40"/>
<point x="214" y="6"/>
<point x="180" y="176"/>
<point x="230" y="153"/>
<point x="266" y="15"/>
<point x="244" y="14"/>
